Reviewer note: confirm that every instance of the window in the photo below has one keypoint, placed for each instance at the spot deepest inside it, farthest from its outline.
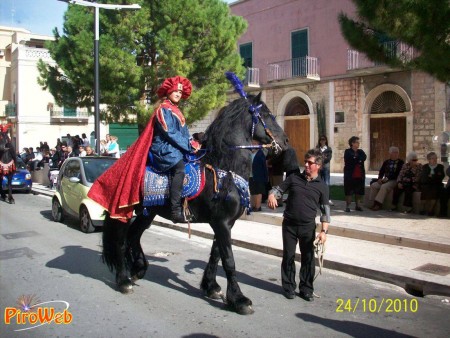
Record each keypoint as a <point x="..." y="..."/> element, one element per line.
<point x="246" y="52"/>
<point x="339" y="117"/>
<point x="299" y="46"/>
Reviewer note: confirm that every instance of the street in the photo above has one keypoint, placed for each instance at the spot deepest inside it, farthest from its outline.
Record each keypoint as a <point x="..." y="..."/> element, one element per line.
<point x="57" y="262"/>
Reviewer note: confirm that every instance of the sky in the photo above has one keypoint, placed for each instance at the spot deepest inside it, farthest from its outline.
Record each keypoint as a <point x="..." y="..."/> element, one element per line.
<point x="37" y="16"/>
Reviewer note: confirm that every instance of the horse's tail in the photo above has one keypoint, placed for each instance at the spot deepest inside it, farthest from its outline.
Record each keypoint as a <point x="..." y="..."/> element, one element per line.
<point x="114" y="234"/>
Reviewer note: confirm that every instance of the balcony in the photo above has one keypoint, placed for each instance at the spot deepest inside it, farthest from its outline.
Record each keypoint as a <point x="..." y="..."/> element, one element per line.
<point x="10" y="110"/>
<point x="252" y="77"/>
<point x="299" y="68"/>
<point x="358" y="61"/>
<point x="68" y="115"/>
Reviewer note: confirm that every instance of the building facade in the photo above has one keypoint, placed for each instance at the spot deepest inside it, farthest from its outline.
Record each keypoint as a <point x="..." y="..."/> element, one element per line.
<point x="32" y="111"/>
<point x="314" y="83"/>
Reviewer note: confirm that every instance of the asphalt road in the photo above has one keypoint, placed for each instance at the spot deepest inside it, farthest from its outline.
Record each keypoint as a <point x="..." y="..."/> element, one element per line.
<point x="58" y="263"/>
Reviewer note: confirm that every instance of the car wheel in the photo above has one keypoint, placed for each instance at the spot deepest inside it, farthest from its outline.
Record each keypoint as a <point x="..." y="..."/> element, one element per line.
<point x="57" y="212"/>
<point x="85" y="220"/>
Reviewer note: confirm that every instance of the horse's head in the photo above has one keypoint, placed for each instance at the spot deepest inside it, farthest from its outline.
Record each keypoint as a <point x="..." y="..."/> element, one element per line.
<point x="263" y="126"/>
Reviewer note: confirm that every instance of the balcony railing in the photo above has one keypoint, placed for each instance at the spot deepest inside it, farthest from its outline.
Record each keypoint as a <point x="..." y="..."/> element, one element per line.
<point x="252" y="77"/>
<point x="69" y="114"/>
<point x="358" y="60"/>
<point x="10" y="110"/>
<point x="304" y="67"/>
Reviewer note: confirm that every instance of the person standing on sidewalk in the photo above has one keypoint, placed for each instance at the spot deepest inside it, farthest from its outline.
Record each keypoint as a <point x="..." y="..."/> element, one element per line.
<point x="306" y="194"/>
<point x="354" y="173"/>
<point x="327" y="154"/>
<point x="387" y="179"/>
<point x="258" y="179"/>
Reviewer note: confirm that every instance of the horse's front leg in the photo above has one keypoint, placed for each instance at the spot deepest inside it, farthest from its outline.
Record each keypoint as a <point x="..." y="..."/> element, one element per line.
<point x="10" y="196"/>
<point x="209" y="284"/>
<point x="114" y="252"/>
<point x="136" y="256"/>
<point x="235" y="297"/>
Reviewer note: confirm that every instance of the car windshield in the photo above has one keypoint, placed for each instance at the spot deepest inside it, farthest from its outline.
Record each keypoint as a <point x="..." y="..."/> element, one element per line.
<point x="21" y="164"/>
<point x="94" y="167"/>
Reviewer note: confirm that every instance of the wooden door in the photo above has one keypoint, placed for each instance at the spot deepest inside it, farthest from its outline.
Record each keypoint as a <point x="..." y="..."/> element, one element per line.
<point x="384" y="133"/>
<point x="298" y="132"/>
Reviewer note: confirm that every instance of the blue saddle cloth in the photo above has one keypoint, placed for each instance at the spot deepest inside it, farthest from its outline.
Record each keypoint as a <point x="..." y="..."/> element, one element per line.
<point x="157" y="184"/>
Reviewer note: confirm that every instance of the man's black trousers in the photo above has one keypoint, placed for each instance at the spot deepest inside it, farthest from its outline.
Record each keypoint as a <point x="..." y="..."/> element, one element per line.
<point x="304" y="235"/>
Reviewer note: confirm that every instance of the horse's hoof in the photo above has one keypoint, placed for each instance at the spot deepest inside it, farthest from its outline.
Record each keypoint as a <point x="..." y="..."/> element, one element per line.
<point x="12" y="202"/>
<point x="214" y="294"/>
<point x="243" y="306"/>
<point x="126" y="287"/>
<point x="245" y="310"/>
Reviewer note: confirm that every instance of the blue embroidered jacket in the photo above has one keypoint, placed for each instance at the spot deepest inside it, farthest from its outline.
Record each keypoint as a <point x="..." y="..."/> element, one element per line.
<point x="171" y="139"/>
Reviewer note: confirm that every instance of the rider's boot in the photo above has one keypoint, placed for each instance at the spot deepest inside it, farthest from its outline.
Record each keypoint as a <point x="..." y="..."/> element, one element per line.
<point x="176" y="187"/>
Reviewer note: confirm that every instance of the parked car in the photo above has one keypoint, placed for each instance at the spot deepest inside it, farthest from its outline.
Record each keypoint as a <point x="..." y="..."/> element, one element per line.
<point x="21" y="180"/>
<point x="76" y="176"/>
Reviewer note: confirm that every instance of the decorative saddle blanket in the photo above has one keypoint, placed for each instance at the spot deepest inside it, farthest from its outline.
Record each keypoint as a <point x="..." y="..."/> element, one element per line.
<point x="157" y="184"/>
<point x="6" y="168"/>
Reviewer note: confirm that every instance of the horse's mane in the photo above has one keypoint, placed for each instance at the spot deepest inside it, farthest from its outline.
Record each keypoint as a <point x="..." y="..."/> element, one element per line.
<point x="231" y="127"/>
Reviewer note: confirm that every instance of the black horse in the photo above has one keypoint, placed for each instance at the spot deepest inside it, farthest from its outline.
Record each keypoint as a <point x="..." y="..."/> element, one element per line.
<point x="8" y="164"/>
<point x="233" y="127"/>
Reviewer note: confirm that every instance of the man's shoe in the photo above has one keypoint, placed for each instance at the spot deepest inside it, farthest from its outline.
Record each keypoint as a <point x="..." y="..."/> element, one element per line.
<point x="347" y="209"/>
<point x="358" y="208"/>
<point x="309" y="297"/>
<point x="289" y="294"/>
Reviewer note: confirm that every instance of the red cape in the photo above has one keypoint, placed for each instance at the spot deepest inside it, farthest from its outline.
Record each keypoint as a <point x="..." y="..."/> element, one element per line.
<point x="119" y="188"/>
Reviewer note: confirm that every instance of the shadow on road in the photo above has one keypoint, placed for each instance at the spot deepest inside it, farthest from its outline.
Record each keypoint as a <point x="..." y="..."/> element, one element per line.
<point x="350" y="328"/>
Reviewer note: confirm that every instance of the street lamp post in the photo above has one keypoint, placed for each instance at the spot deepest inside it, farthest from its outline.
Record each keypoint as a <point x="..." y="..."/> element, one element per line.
<point x="96" y="57"/>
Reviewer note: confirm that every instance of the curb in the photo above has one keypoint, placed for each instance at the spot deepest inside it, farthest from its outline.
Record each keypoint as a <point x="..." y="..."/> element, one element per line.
<point x="346" y="230"/>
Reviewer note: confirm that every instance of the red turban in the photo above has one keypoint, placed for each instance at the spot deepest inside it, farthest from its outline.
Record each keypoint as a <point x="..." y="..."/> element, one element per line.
<point x="173" y="84"/>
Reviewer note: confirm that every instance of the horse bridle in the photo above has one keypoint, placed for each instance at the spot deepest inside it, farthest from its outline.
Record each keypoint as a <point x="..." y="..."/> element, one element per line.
<point x="256" y="116"/>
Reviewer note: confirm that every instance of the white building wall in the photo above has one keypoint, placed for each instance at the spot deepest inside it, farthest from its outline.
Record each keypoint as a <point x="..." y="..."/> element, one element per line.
<point x="18" y="84"/>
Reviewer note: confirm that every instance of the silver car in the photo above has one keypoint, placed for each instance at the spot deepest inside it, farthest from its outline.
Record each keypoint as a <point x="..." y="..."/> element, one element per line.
<point x="76" y="176"/>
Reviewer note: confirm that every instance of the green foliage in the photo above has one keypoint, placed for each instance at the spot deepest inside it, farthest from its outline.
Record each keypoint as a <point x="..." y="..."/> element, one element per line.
<point x="139" y="49"/>
<point x="321" y="120"/>
<point x="421" y="24"/>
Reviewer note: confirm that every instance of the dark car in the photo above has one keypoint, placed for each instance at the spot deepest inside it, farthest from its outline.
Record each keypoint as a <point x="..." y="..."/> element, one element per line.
<point x="76" y="176"/>
<point x="21" y="180"/>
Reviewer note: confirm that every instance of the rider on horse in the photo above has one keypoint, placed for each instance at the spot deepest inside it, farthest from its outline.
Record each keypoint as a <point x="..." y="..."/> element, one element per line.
<point x="163" y="142"/>
<point x="171" y="139"/>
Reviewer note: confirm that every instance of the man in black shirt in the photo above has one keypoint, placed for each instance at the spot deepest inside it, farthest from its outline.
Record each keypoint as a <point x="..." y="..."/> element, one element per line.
<point x="307" y="193"/>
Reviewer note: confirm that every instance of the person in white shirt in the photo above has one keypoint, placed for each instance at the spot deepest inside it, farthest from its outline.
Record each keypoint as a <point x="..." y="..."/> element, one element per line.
<point x="113" y="147"/>
<point x="85" y="140"/>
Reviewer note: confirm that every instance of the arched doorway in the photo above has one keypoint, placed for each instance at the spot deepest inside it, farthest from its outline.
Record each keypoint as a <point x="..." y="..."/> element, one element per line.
<point x="388" y="106"/>
<point x="297" y="125"/>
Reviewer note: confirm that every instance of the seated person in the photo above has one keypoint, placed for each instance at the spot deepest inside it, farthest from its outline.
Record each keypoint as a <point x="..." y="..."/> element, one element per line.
<point x="444" y="196"/>
<point x="387" y="179"/>
<point x="431" y="184"/>
<point x="407" y="182"/>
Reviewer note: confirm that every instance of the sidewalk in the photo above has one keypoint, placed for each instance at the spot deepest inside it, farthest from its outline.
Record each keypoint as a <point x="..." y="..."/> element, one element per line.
<point x="410" y="251"/>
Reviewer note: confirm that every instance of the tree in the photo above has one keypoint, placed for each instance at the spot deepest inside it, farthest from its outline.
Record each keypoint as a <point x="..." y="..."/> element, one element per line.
<point x="423" y="25"/>
<point x="139" y="49"/>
